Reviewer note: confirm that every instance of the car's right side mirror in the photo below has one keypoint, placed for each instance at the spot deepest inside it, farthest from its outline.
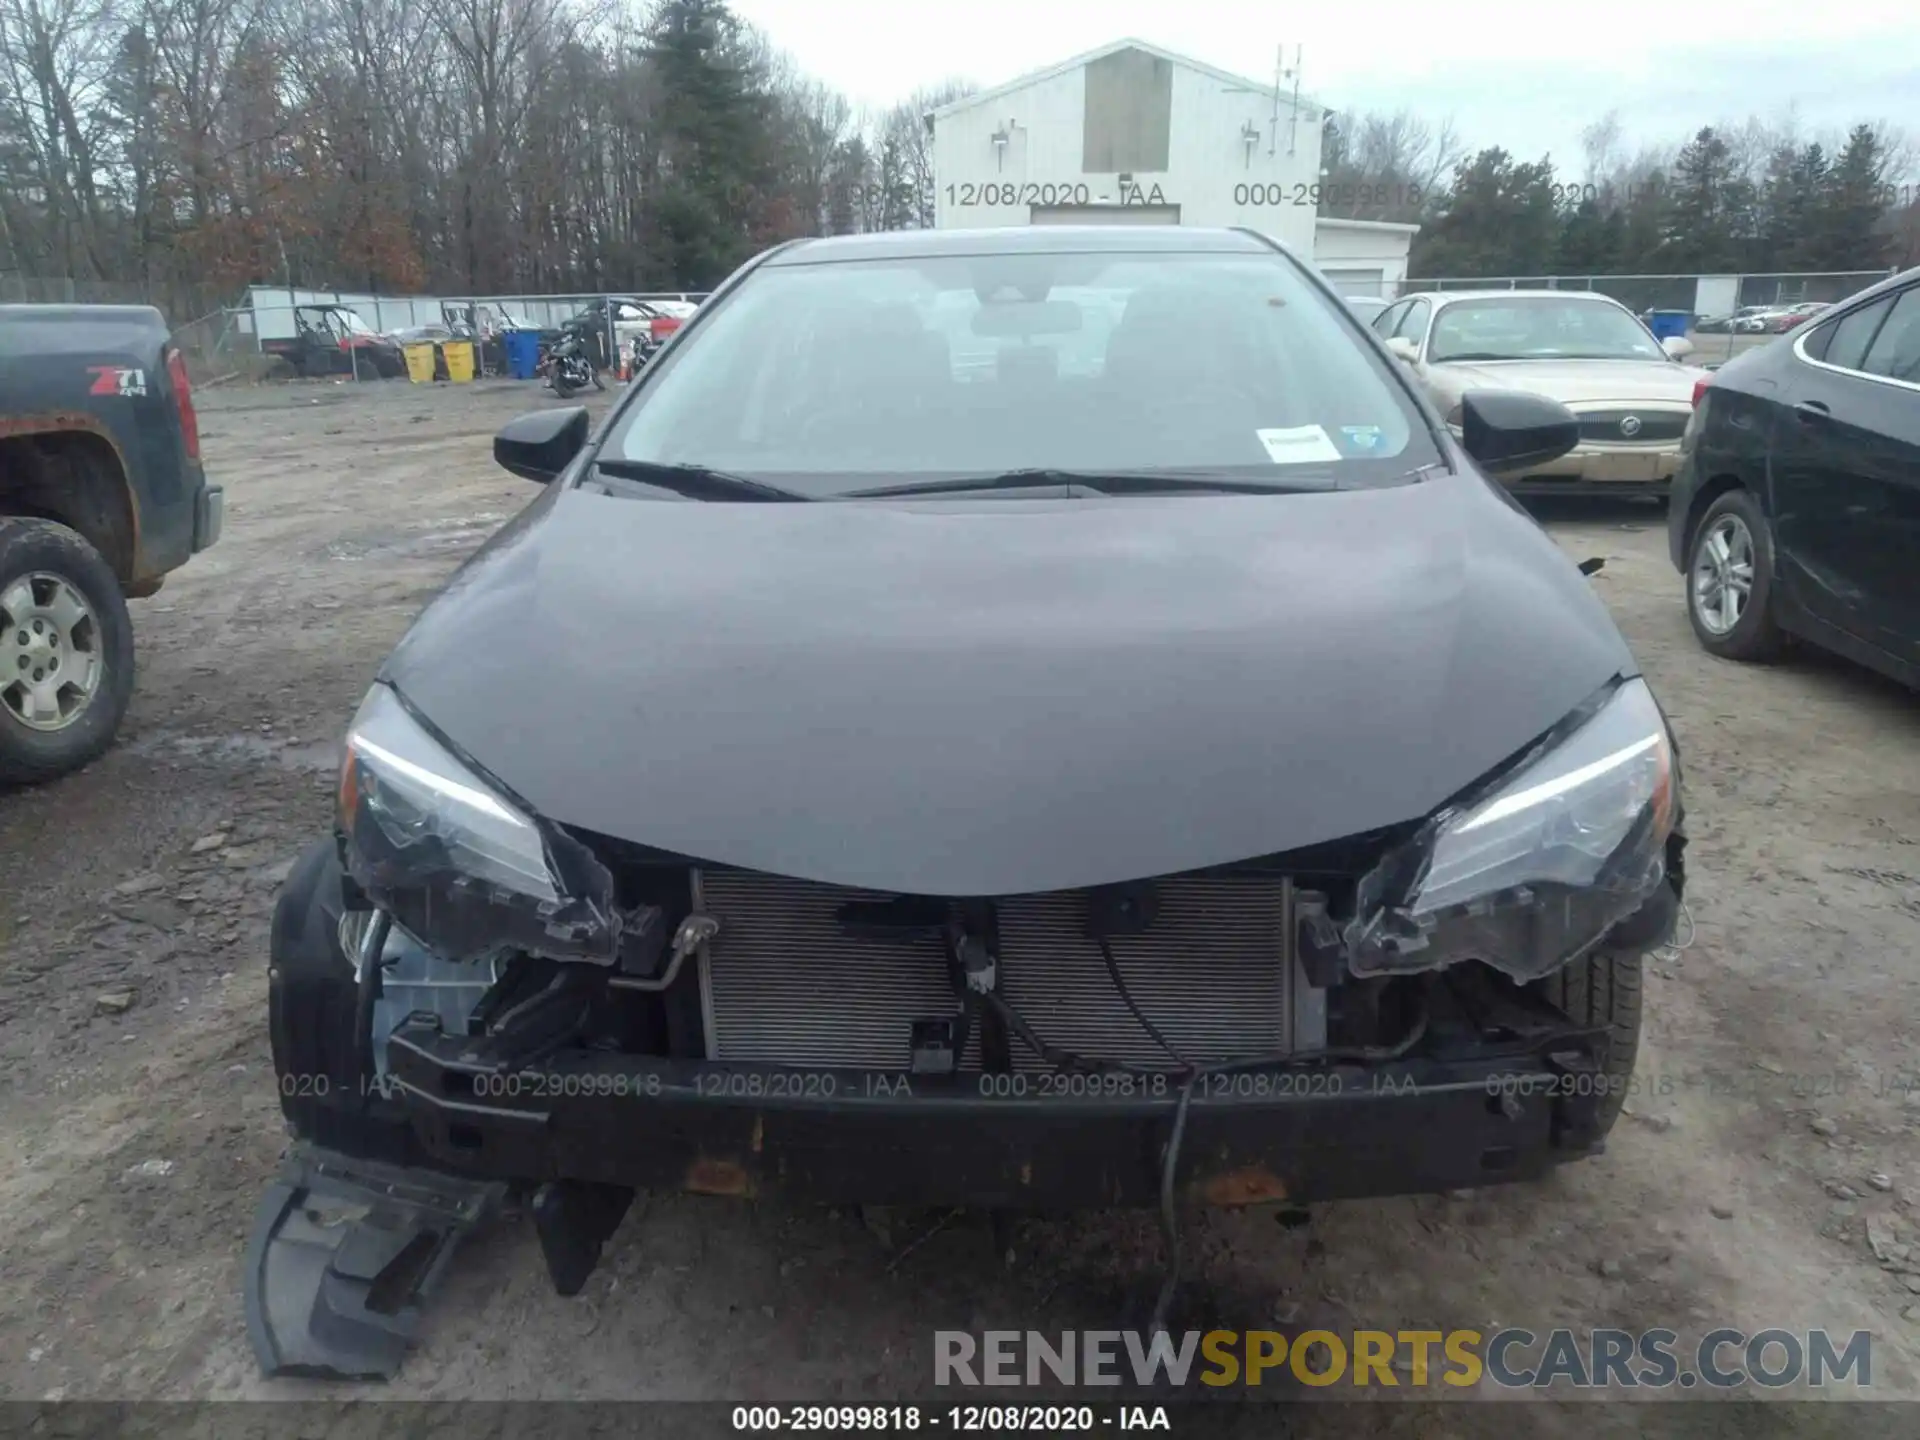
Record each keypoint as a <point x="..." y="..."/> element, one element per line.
<point x="1678" y="347"/>
<point x="1401" y="348"/>
<point x="1510" y="431"/>
<point x="540" y="444"/>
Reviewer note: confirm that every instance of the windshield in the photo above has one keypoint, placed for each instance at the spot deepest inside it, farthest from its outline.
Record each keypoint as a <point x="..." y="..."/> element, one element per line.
<point x="834" y="377"/>
<point x="1539" y="328"/>
<point x="351" y="322"/>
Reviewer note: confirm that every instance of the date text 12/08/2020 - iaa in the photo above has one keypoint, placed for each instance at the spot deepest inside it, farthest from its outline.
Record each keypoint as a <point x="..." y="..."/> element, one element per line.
<point x="1272" y="194"/>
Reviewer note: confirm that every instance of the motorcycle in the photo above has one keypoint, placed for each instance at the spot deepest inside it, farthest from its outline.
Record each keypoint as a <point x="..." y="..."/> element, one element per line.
<point x="569" y="364"/>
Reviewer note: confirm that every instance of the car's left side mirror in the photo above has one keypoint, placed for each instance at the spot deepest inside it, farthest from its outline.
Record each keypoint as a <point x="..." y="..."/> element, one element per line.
<point x="540" y="444"/>
<point x="1678" y="347"/>
<point x="1511" y="431"/>
<point x="1401" y="348"/>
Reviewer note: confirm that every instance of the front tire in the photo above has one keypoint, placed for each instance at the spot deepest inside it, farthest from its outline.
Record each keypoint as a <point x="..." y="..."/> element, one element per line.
<point x="325" y="1077"/>
<point x="1604" y="991"/>
<point x="66" y="652"/>
<point x="1730" y="580"/>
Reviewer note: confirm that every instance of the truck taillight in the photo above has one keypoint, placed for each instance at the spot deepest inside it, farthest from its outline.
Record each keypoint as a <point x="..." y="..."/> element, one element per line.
<point x="183" y="402"/>
<point x="1700" y="388"/>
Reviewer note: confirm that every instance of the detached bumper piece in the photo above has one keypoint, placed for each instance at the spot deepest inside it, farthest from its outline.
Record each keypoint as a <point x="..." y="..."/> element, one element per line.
<point x="341" y="1256"/>
<point x="209" y="517"/>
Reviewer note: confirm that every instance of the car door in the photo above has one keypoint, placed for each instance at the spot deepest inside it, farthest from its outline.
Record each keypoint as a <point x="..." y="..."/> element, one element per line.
<point x="1846" y="473"/>
<point x="1384" y="322"/>
<point x="1411" y="326"/>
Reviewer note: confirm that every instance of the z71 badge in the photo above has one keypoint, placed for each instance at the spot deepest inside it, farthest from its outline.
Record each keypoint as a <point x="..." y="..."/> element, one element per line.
<point x="116" y="380"/>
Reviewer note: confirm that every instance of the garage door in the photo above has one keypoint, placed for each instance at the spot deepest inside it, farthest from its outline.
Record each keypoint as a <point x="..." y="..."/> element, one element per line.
<point x="1357" y="283"/>
<point x="1106" y="214"/>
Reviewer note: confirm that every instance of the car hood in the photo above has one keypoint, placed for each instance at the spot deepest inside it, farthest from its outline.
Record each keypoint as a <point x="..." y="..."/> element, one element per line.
<point x="1575" y="382"/>
<point x="989" y="698"/>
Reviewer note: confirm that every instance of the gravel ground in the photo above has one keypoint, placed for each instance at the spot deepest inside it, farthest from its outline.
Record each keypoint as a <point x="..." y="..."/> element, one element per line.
<point x="138" y="1122"/>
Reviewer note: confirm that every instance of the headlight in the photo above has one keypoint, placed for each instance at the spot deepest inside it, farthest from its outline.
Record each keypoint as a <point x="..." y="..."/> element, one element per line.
<point x="467" y="871"/>
<point x="1534" y="874"/>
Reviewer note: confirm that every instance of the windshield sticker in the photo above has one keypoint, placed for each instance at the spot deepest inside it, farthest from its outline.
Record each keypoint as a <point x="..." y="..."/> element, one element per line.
<point x="1302" y="445"/>
<point x="1363" y="437"/>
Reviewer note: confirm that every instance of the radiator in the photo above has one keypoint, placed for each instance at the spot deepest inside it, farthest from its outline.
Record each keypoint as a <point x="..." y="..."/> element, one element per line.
<point x="782" y="983"/>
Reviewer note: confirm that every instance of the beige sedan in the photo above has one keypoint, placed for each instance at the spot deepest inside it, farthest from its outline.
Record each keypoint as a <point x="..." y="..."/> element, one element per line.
<point x="1631" y="392"/>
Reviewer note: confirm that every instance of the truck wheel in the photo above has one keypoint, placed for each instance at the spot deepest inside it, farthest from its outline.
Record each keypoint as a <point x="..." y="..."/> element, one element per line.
<point x="325" y="1078"/>
<point x="66" y="652"/>
<point x="1604" y="990"/>
<point x="1730" y="580"/>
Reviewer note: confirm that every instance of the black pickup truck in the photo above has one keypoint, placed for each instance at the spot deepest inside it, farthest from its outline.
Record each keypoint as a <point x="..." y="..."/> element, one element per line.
<point x="101" y="494"/>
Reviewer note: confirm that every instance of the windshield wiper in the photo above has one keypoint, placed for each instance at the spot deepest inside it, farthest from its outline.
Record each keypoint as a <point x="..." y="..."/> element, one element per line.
<point x="696" y="482"/>
<point x="1471" y="355"/>
<point x="1104" y="482"/>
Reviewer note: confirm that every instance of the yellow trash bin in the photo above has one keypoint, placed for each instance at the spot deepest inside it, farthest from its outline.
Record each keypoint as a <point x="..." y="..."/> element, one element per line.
<point x="420" y="363"/>
<point x="459" y="355"/>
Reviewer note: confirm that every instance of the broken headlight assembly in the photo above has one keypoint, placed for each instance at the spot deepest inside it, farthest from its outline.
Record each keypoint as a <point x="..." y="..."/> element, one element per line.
<point x="464" y="868"/>
<point x="1535" y="871"/>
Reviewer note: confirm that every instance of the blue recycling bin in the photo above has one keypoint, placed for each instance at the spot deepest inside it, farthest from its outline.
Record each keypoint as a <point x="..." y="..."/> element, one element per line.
<point x="523" y="353"/>
<point x="1669" y="324"/>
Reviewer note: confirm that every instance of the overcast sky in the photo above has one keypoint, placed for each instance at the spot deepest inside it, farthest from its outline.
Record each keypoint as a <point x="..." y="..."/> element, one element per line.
<point x="1526" y="77"/>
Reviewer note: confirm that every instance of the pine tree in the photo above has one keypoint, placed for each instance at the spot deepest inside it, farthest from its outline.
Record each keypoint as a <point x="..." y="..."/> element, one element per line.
<point x="1706" y="210"/>
<point x="1588" y="239"/>
<point x="1847" y="231"/>
<point x="1498" y="219"/>
<point x="718" y="149"/>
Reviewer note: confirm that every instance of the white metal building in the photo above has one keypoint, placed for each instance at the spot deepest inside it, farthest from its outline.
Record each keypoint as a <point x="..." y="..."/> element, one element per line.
<point x="1133" y="134"/>
<point x="1363" y="257"/>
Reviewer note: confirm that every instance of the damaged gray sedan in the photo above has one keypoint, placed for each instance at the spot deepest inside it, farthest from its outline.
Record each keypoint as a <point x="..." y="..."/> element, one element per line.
<point x="1027" y="719"/>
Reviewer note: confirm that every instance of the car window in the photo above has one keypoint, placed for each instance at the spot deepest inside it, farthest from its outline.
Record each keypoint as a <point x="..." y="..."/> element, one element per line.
<point x="1384" y="322"/>
<point x="833" y="377"/>
<point x="1413" y="325"/>
<point x="1895" y="351"/>
<point x="1849" y="338"/>
<point x="1539" y="327"/>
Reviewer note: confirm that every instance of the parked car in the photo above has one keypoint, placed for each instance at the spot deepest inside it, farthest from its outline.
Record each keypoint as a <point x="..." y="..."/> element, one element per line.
<point x="1630" y="392"/>
<point x="1747" y="320"/>
<point x="1758" y="319"/>
<point x="1178" y="778"/>
<point x="1796" y="511"/>
<point x="334" y="340"/>
<point x="102" y="495"/>
<point x="1790" y="316"/>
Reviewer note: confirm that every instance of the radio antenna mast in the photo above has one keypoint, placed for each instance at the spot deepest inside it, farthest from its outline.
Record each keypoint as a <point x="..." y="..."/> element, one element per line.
<point x="1279" y="75"/>
<point x="1293" y="74"/>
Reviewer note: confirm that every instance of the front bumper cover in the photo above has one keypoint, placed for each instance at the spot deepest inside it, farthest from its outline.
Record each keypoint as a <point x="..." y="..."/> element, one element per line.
<point x="1610" y="469"/>
<point x="1060" y="1141"/>
<point x="342" y="1255"/>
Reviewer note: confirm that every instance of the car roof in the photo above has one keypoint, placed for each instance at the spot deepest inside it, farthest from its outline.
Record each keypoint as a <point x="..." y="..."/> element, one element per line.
<point x="1021" y="240"/>
<point x="1447" y="297"/>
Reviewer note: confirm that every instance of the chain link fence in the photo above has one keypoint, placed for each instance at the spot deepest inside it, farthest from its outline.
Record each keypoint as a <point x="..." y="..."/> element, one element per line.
<point x="279" y="332"/>
<point x="274" y="332"/>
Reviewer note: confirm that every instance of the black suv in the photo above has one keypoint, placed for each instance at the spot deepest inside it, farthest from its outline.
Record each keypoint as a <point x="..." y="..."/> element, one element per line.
<point x="1796" y="510"/>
